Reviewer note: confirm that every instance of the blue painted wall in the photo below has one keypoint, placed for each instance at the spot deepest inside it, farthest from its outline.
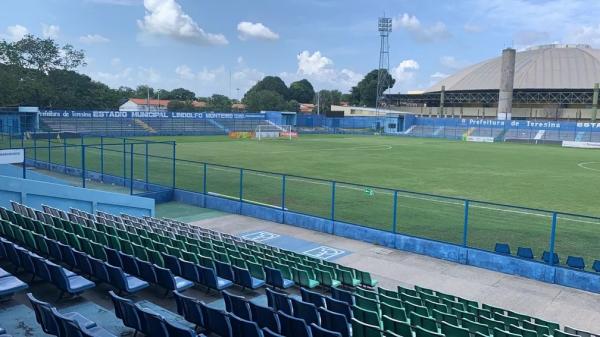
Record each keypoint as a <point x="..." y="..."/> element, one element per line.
<point x="36" y="193"/>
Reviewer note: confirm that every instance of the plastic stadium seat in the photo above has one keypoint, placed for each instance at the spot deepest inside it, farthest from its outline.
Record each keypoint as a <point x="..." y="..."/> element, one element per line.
<point x="124" y="282"/>
<point x="522" y="331"/>
<point x="190" y="272"/>
<point x="596" y="266"/>
<point x="451" y="330"/>
<point x="502" y="248"/>
<point x="306" y="311"/>
<point x="576" y="262"/>
<point x="265" y="317"/>
<point x="83" y="263"/>
<point x="113" y="257"/>
<point x="176" y="329"/>
<point x="170" y="282"/>
<point x="4" y="273"/>
<point x="211" y="280"/>
<point x="269" y="333"/>
<point x="129" y="264"/>
<point x="153" y="324"/>
<point x="334" y="322"/>
<point x="224" y="270"/>
<point x="189" y="308"/>
<point x="401" y="328"/>
<point x="73" y="285"/>
<point x="70" y="327"/>
<point x="216" y="321"/>
<point x="318" y="331"/>
<point x="278" y="301"/>
<point x="360" y="329"/>
<point x="274" y="278"/>
<point x="342" y="295"/>
<point x="546" y="258"/>
<point x="243" y="278"/>
<point x="525" y="252"/>
<point x="172" y="263"/>
<point x="236" y="305"/>
<point x="126" y="311"/>
<point x="339" y="307"/>
<point x="292" y="326"/>
<point x="312" y="297"/>
<point x="146" y="271"/>
<point x="421" y="332"/>
<point x="497" y="332"/>
<point x="242" y="327"/>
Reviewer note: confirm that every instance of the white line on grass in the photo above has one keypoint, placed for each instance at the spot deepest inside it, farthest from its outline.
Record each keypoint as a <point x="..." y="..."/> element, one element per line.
<point x="583" y="165"/>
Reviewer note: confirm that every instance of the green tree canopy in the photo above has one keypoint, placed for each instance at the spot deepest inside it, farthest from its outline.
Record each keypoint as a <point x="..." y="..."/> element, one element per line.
<point x="181" y="94"/>
<point x="365" y="92"/>
<point x="259" y="100"/>
<point x="328" y="98"/>
<point x="271" y="83"/>
<point x="41" y="54"/>
<point x="302" y="91"/>
<point x="219" y="103"/>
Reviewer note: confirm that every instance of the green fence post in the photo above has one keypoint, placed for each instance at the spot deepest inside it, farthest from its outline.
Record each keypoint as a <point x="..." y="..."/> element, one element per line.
<point x="283" y="198"/>
<point x="83" y="165"/>
<point x="102" y="158"/>
<point x="131" y="170"/>
<point x="553" y="237"/>
<point x="174" y="165"/>
<point x="395" y="213"/>
<point x="24" y="163"/>
<point x="124" y="162"/>
<point x="466" y="224"/>
<point x="333" y="201"/>
<point x="146" y="166"/>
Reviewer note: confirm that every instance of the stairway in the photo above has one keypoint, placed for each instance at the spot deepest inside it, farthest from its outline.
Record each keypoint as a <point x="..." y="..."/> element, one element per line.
<point x="144" y="125"/>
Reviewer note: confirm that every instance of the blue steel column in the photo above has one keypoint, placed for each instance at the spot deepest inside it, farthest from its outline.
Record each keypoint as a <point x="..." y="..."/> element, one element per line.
<point x="466" y="224"/>
<point x="102" y="158"/>
<point x="553" y="237"/>
<point x="83" y="166"/>
<point x="395" y="219"/>
<point x="49" y="156"/>
<point x="283" y="197"/>
<point x="34" y="148"/>
<point x="173" y="165"/>
<point x="333" y="201"/>
<point x="124" y="163"/>
<point x="146" y="166"/>
<point x="24" y="163"/>
<point x="131" y="170"/>
<point x="65" y="153"/>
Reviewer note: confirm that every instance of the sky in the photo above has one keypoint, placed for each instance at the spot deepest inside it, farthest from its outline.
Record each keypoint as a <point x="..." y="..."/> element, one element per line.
<point x="226" y="46"/>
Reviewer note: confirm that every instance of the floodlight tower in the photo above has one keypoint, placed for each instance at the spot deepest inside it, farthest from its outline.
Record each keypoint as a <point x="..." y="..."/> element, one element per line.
<point x="385" y="28"/>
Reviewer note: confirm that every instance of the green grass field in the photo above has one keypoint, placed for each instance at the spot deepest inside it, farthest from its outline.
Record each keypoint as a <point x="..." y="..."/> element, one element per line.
<point x="534" y="176"/>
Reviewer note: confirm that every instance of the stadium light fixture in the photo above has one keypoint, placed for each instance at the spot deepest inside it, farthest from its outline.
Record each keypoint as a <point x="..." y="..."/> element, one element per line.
<point x="385" y="25"/>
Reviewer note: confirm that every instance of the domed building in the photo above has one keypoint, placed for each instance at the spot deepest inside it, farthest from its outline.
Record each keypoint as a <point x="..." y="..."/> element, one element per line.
<point x="550" y="82"/>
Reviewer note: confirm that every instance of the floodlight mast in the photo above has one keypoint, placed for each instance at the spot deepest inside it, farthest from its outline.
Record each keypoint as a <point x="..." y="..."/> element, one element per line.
<point x="385" y="28"/>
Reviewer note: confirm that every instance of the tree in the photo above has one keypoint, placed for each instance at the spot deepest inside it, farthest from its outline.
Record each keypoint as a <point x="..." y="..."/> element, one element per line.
<point x="41" y="54"/>
<point x="181" y="94"/>
<point x="365" y="92"/>
<point x="71" y="58"/>
<point x="260" y="100"/>
<point x="143" y="91"/>
<point x="302" y="91"/>
<point x="219" y="103"/>
<point x="175" y="105"/>
<point x="327" y="98"/>
<point x="293" y="105"/>
<point x="271" y="83"/>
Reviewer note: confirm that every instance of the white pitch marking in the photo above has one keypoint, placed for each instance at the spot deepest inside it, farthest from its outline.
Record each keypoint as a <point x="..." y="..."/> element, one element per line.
<point x="583" y="165"/>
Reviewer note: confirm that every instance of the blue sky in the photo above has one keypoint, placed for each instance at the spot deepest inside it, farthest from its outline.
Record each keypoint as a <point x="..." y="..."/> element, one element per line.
<point x="197" y="44"/>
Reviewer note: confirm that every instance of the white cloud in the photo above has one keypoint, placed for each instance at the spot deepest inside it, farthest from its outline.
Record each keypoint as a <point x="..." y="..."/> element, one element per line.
<point x="313" y="64"/>
<point x="167" y="18"/>
<point x="586" y="34"/>
<point x="93" y="39"/>
<point x="248" y="30"/>
<point x="419" y="32"/>
<point x="115" y="62"/>
<point x="405" y="70"/>
<point x="15" y="33"/>
<point x="451" y="62"/>
<point x="439" y="75"/>
<point x="50" y="31"/>
<point x="149" y="75"/>
<point x="116" y="78"/>
<point x="184" y="72"/>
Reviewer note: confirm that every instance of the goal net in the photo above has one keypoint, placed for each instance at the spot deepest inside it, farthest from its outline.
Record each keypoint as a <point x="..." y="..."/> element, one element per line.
<point x="274" y="131"/>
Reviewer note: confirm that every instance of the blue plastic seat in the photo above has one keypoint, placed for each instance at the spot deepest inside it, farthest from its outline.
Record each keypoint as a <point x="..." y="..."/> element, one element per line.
<point x="126" y="311"/>
<point x="224" y="270"/>
<point x="525" y="253"/>
<point x="236" y="305"/>
<point x="176" y="329"/>
<point x="502" y="248"/>
<point x="83" y="263"/>
<point x="306" y="311"/>
<point x="41" y="269"/>
<point x="129" y="264"/>
<point x="216" y="321"/>
<point x="54" y="250"/>
<point x="270" y="333"/>
<point x="147" y="272"/>
<point x="243" y="327"/>
<point x="153" y="324"/>
<point x="265" y="317"/>
<point x="113" y="257"/>
<point x="318" y="331"/>
<point x="190" y="272"/>
<point x="342" y="295"/>
<point x="339" y="307"/>
<point x="73" y="285"/>
<point x="70" y="327"/>
<point x="211" y="280"/>
<point x="44" y="316"/>
<point x="334" y="321"/>
<point x="576" y="262"/>
<point x="10" y="285"/>
<point x="124" y="282"/>
<point x="25" y="260"/>
<point x="99" y="269"/>
<point x="546" y="258"/>
<point x="243" y="278"/>
<point x="189" y="308"/>
<point x="4" y="273"/>
<point x="68" y="257"/>
<point x="170" y="282"/>
<point x="275" y="279"/>
<point x="312" y="297"/>
<point x="12" y="255"/>
<point x="172" y="263"/>
<point x="292" y="326"/>
<point x="278" y="301"/>
<point x="596" y="266"/>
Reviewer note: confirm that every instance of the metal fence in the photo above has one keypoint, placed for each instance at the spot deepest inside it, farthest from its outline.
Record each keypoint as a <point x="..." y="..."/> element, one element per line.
<point x="468" y="223"/>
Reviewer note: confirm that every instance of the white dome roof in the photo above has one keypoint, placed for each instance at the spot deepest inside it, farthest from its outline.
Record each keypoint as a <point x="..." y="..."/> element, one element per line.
<point x="544" y="67"/>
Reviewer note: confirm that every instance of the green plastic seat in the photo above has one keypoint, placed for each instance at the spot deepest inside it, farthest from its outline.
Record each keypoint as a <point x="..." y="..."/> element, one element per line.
<point x="190" y="257"/>
<point x="393" y="301"/>
<point x="416" y="300"/>
<point x="492" y="308"/>
<point x="452" y="330"/>
<point x="474" y="327"/>
<point x="522" y="331"/>
<point x="551" y="325"/>
<point x="519" y="316"/>
<point x="360" y="329"/>
<point x="396" y="313"/>
<point x="366" y="279"/>
<point x="435" y="306"/>
<point x="86" y="247"/>
<point x="366" y="303"/>
<point x="347" y="278"/>
<point x="507" y="320"/>
<point x="367" y="293"/>
<point x="41" y="244"/>
<point x="238" y="262"/>
<point x="540" y="329"/>
<point x="559" y="333"/>
<point x="425" y="322"/>
<point x="497" y="332"/>
<point x="325" y="278"/>
<point x="398" y="327"/>
<point x="387" y="292"/>
<point x="417" y="309"/>
<point x="29" y="239"/>
<point x="155" y="257"/>
<point x="99" y="251"/>
<point x="366" y="316"/>
<point x="422" y="332"/>
<point x="256" y="270"/>
<point x="126" y="246"/>
<point x="445" y="317"/>
<point x="140" y="252"/>
<point x="304" y="278"/>
<point x="73" y="241"/>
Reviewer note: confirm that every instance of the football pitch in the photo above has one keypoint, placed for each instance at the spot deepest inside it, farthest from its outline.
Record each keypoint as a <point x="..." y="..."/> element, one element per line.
<point x="531" y="176"/>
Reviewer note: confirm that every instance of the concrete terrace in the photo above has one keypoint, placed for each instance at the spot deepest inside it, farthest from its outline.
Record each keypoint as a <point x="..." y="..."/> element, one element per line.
<point x="567" y="306"/>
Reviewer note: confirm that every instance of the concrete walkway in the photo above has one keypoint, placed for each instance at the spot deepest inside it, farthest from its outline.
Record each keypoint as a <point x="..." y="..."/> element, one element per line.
<point x="567" y="306"/>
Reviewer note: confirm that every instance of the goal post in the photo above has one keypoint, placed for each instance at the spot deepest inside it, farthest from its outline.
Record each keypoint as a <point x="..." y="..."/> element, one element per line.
<point x="275" y="131"/>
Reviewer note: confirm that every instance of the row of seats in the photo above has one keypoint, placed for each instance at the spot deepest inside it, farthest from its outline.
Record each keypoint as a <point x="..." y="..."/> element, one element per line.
<point x="576" y="262"/>
<point x="9" y="284"/>
<point x="71" y="324"/>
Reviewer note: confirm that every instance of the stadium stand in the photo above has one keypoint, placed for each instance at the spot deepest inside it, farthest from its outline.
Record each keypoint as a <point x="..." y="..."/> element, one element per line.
<point x="128" y="253"/>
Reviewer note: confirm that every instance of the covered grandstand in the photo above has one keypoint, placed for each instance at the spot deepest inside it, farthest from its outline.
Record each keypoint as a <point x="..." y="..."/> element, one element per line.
<point x="550" y="82"/>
